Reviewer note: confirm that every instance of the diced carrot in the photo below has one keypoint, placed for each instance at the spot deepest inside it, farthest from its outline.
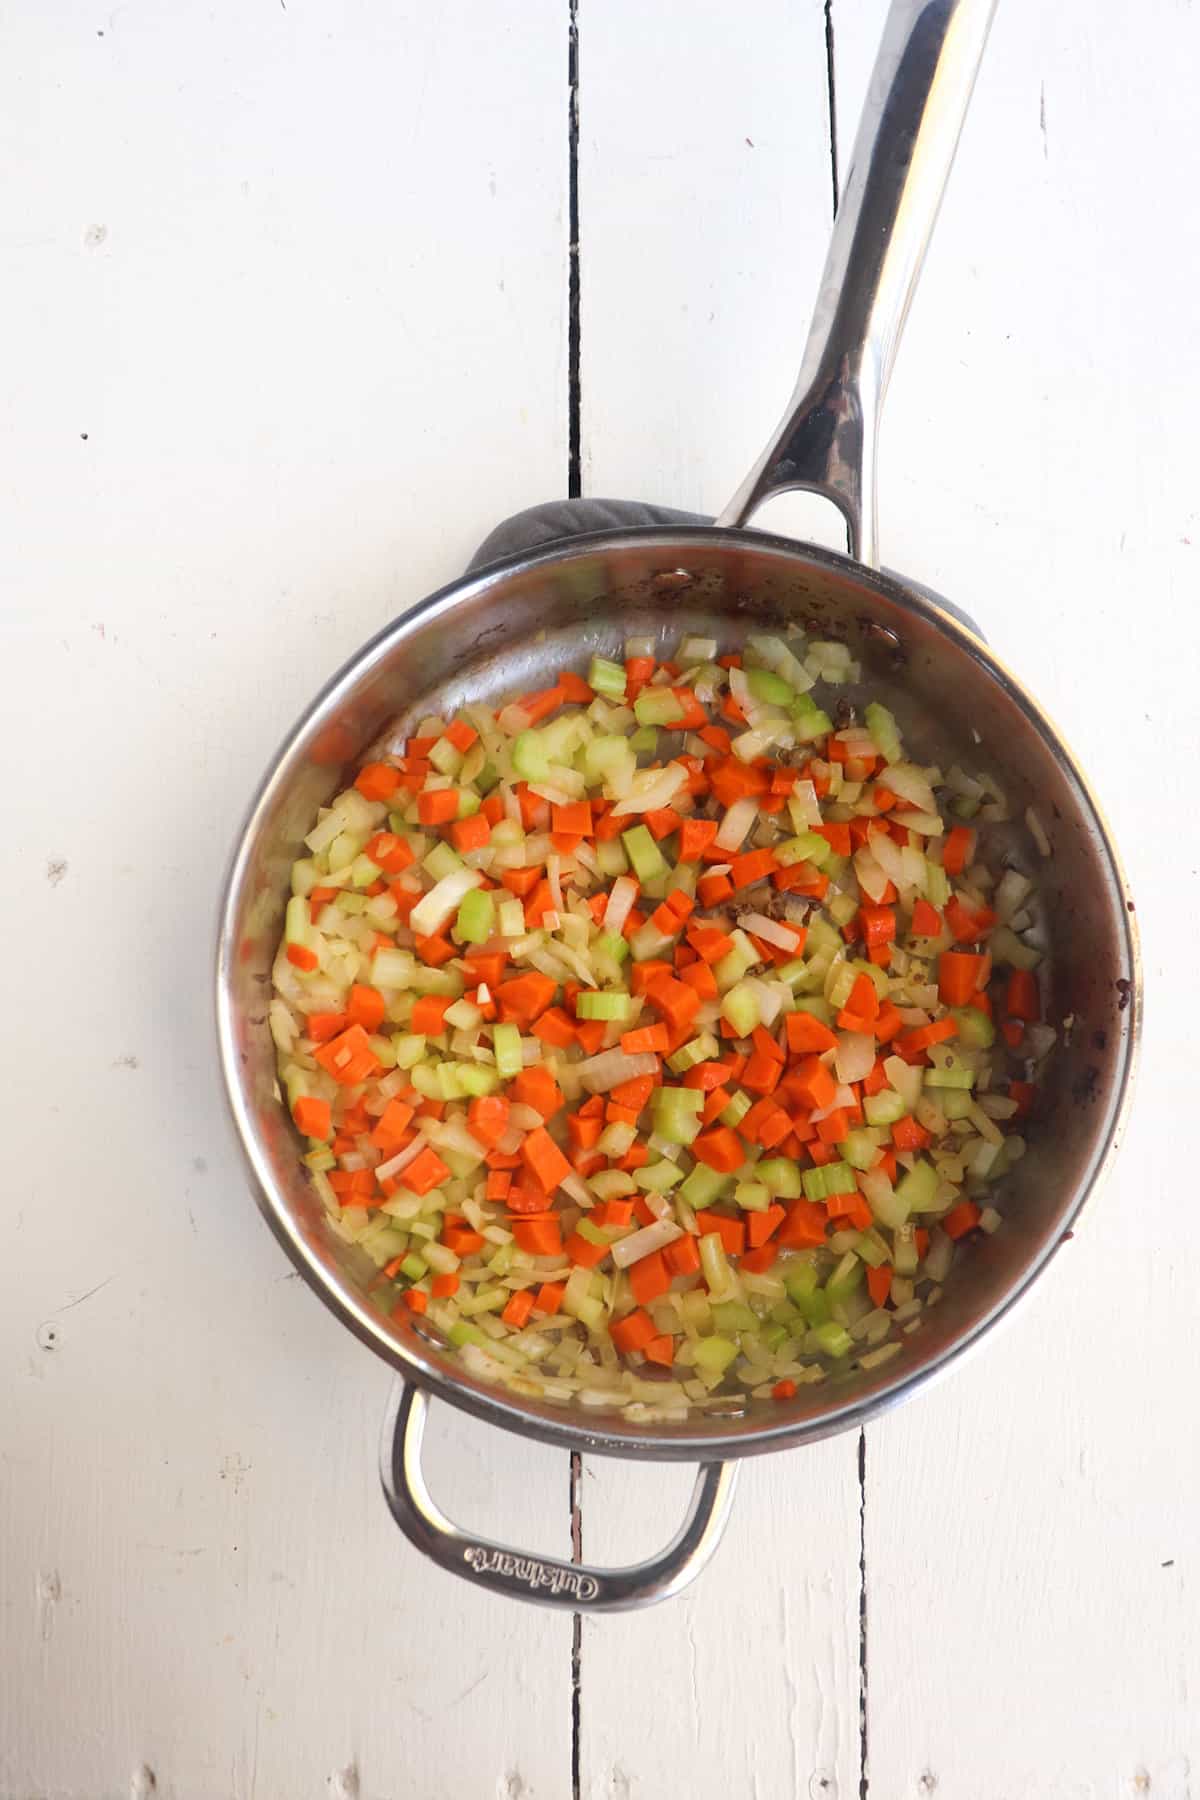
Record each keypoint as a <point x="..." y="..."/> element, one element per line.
<point x="708" y="942"/>
<point x="1021" y="999"/>
<point x="755" y="866"/>
<point x="523" y="998"/>
<point x="429" y="1014"/>
<point x="434" y="950"/>
<point x="349" y="1058"/>
<point x="633" y="1093"/>
<point x="462" y="1240"/>
<point x="314" y="1118"/>
<point x="837" y="836"/>
<point x="682" y="1257"/>
<point x="648" y="1038"/>
<point x="878" y="925"/>
<point x="784" y="1390"/>
<point x="549" y="1297"/>
<point x="888" y="1023"/>
<point x="437" y="806"/>
<point x="590" y="1034"/>
<point x="834" y="1128"/>
<point x="391" y="1127"/>
<point x="542" y="704"/>
<point x="320" y="1027"/>
<point x="956" y="849"/>
<point x="926" y="920"/>
<point x="813" y="1081"/>
<point x="554" y="1027"/>
<point x="536" y="1087"/>
<point x="365" y="1007"/>
<point x="1013" y="1033"/>
<point x="908" y="1135"/>
<point x="920" y="1039"/>
<point x="731" y="1232"/>
<point x="761" y="1074"/>
<point x="302" y="958"/>
<point x="583" y="1252"/>
<point x="416" y="1301"/>
<point x="377" y="781"/>
<point x="540" y="1237"/>
<point x="612" y="1212"/>
<point x="544" y="1160"/>
<point x="713" y="889"/>
<point x="675" y="1000"/>
<point x="720" y="1148"/>
<point x="958" y="974"/>
<point x="807" y="1036"/>
<point x="649" y="1277"/>
<point x="470" y="834"/>
<point x="575" y="817"/>
<point x="487" y="1118"/>
<point x="442" y="1286"/>
<point x="879" y="1285"/>
<point x="517" y="1312"/>
<point x="760" y="1260"/>
<point x="763" y="1225"/>
<point x="424" y="1172"/>
<point x="389" y="852"/>
<point x="660" y="1350"/>
<point x="698" y="975"/>
<point x="520" y="881"/>
<point x="661" y="821"/>
<point x="960" y="1219"/>
<point x="967" y="926"/>
<point x="804" y="1227"/>
<point x="695" y="836"/>
<point x="633" y="1332"/>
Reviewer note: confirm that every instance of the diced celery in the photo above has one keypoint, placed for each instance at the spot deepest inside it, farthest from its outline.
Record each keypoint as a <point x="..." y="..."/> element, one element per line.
<point x="834" y="1339"/>
<point x="676" y="1112"/>
<point x="734" y="1315"/>
<point x="363" y="872"/>
<point x="476" y="1078"/>
<point x="884" y="731"/>
<point x="839" y="1179"/>
<point x="305" y="876"/>
<point x="800" y="1278"/>
<point x="592" y="1234"/>
<point x="815" y="1308"/>
<point x="606" y="677"/>
<point x="409" y="1047"/>
<point x="529" y="759"/>
<point x="644" y="854"/>
<point x="752" y="1196"/>
<point x="808" y="847"/>
<point x="841" y="985"/>
<point x="1006" y="947"/>
<point x="713" y="1355"/>
<point x="699" y="1050"/>
<point x="883" y="1108"/>
<point x="611" y="857"/>
<point x="769" y="687"/>
<point x="696" y="1309"/>
<point x="462" y="1332"/>
<point x="816" y="1005"/>
<point x="468" y="803"/>
<point x="845" y="1278"/>
<point x="297" y="922"/>
<point x="644" y="738"/>
<point x="975" y="1029"/>
<point x="860" y="1149"/>
<point x="511" y="919"/>
<point x="659" y="1177"/>
<point x="808" y="721"/>
<point x="648" y="942"/>
<point x="872" y="1249"/>
<point x="658" y="706"/>
<point x="947" y="1070"/>
<point x="773" y="1336"/>
<point x="414" y="1266"/>
<point x="445" y="757"/>
<point x="742" y="1007"/>
<point x="715" y="1265"/>
<point x="841" y="908"/>
<point x="604" y="756"/>
<point x="916" y="1189"/>
<point x="447" y="1080"/>
<point x="476" y="917"/>
<point x="611" y="943"/>
<point x="703" y="1186"/>
<point x="441" y="861"/>
<point x="780" y="1176"/>
<point x="955" y="1102"/>
<point x="610" y="1004"/>
<point x="735" y="1112"/>
<point x="506" y="1045"/>
<point x="937" y="890"/>
<point x="736" y="962"/>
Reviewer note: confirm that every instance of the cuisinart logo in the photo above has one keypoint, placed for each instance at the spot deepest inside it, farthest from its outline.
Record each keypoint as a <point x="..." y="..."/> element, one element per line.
<point x="535" y="1574"/>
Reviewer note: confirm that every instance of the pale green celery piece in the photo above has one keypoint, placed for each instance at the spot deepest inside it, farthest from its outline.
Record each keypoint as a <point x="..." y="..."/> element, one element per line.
<point x="975" y="1029"/>
<point x="590" y="1312"/>
<point x="841" y="986"/>
<point x="659" y="1177"/>
<point x="448" y="1084"/>
<point x="643" y="853"/>
<point x="917" y="1187"/>
<point x="351" y="904"/>
<point x="486" y="779"/>
<point x="606" y="678"/>
<point x="821" y="936"/>
<point x="948" y="1069"/>
<point x="883" y="1108"/>
<point x="964" y="806"/>
<point x="604" y="756"/>
<point x="808" y="847"/>
<point x="606" y="1005"/>
<point x="735" y="1112"/>
<point x="815" y="1308"/>
<point x="409" y="1047"/>
<point x="414" y="1266"/>
<point x="696" y="1309"/>
<point x="560" y="737"/>
<point x="937" y="890"/>
<point x="860" y="1149"/>
<point x="773" y="1336"/>
<point x="714" y="1263"/>
<point x="364" y="872"/>
<point x="529" y="757"/>
<point x="700" y="1049"/>
<point x="297" y="922"/>
<point x="476" y="917"/>
<point x="872" y="1249"/>
<point x="476" y="1079"/>
<point x="841" y="908"/>
<point x="611" y="943"/>
<point x="780" y="1176"/>
<point x="814" y="1004"/>
<point x="648" y="942"/>
<point x="345" y="847"/>
<point x="676" y="1112"/>
<point x="384" y="1053"/>
<point x="904" y="1250"/>
<point x="461" y="1332"/>
<point x="506" y="1045"/>
<point x="611" y="857"/>
<point x="446" y="759"/>
<point x="441" y="861"/>
<point x="459" y="1163"/>
<point x="305" y="876"/>
<point x="511" y="919"/>
<point x="703" y="1186"/>
<point x="770" y="688"/>
<point x="752" y="1196"/>
<point x="658" y="706"/>
<point x="834" y="1339"/>
<point x="501" y="1260"/>
<point x="846" y="1277"/>
<point x="742" y="1007"/>
<point x="320" y="1160"/>
<point x="484" y="1299"/>
<point x="808" y="720"/>
<point x="955" y="1102"/>
<point x="427" y="1230"/>
<point x="736" y="963"/>
<point x="784" y="1313"/>
<point x="876" y="975"/>
<point x="839" y="1179"/>
<point x="591" y="1234"/>
<point x="734" y="1315"/>
<point x="884" y="731"/>
<point x="800" y="1278"/>
<point x="713" y="1355"/>
<point x="469" y="803"/>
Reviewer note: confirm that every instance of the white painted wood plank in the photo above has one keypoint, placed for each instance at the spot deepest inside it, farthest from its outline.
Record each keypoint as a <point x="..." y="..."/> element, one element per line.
<point x="1031" y="1532"/>
<point x="705" y="205"/>
<point x="285" y="308"/>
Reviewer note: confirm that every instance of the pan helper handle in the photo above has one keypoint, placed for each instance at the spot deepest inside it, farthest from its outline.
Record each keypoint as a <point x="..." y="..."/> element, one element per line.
<point x="916" y="102"/>
<point x="571" y="1587"/>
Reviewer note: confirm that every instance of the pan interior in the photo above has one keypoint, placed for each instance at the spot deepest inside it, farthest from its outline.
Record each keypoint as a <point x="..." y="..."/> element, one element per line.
<point x="509" y="629"/>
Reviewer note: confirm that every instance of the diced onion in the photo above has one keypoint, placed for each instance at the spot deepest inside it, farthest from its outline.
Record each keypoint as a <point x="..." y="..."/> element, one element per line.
<point x="641" y="1243"/>
<point x="621" y="897"/>
<point x="908" y="781"/>
<point x="785" y="937"/>
<point x="1037" y="831"/>
<point x="436" y="908"/>
<point x="855" y="1056"/>
<point x="612" y="1067"/>
<point x="737" y="822"/>
<point x="651" y="789"/>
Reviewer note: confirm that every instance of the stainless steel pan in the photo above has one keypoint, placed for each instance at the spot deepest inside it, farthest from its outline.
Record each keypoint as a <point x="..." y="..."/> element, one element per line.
<point x="505" y="627"/>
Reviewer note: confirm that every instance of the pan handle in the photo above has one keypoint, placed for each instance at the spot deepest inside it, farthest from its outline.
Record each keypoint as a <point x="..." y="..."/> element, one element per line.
<point x="572" y="1587"/>
<point x="918" y="95"/>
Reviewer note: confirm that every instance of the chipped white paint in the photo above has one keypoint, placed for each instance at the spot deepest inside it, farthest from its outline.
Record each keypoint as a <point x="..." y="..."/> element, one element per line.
<point x="285" y="293"/>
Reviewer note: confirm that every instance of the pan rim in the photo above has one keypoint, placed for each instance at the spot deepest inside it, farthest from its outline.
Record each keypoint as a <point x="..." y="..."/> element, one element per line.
<point x="497" y="1405"/>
